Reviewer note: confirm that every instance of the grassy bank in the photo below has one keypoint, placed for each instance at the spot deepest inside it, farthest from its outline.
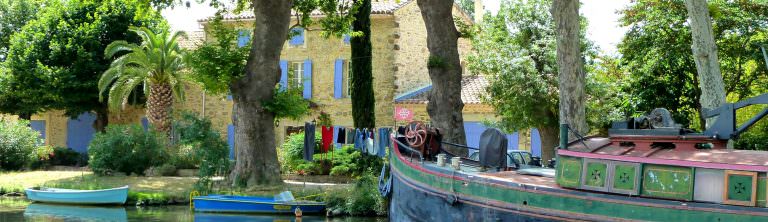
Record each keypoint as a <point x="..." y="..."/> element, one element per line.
<point x="144" y="190"/>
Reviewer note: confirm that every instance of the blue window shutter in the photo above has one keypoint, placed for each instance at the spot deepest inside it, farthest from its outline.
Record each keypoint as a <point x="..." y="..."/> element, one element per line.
<point x="338" y="78"/>
<point x="231" y="140"/>
<point x="145" y="123"/>
<point x="346" y="39"/>
<point x="283" y="74"/>
<point x="243" y="38"/>
<point x="39" y="126"/>
<point x="297" y="39"/>
<point x="307" y="79"/>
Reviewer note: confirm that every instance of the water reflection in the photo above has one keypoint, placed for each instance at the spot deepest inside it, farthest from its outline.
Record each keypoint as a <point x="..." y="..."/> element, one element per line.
<point x="20" y="209"/>
<point x="39" y="211"/>
<point x="213" y="217"/>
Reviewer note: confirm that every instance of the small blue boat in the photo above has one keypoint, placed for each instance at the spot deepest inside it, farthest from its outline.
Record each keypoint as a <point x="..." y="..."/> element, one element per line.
<point x="68" y="196"/>
<point x="244" y="204"/>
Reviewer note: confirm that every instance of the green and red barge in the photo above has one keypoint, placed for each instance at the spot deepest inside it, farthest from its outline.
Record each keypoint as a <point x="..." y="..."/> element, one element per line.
<point x="648" y="169"/>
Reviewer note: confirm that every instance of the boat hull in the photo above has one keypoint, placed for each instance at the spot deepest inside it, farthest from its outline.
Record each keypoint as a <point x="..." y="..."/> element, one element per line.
<point x="235" y="204"/>
<point x="67" y="196"/>
<point x="425" y="192"/>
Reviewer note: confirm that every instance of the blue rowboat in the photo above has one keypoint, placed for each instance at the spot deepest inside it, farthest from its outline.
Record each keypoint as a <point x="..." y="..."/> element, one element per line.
<point x="243" y="204"/>
<point x="69" y="196"/>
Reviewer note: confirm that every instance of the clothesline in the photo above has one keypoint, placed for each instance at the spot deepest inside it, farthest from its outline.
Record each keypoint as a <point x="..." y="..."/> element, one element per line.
<point x="368" y="141"/>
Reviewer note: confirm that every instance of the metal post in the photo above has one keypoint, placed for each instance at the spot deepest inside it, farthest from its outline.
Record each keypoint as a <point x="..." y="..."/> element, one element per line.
<point x="563" y="136"/>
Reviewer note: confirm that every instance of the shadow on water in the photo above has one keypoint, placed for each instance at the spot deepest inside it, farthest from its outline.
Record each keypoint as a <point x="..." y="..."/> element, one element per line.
<point x="19" y="209"/>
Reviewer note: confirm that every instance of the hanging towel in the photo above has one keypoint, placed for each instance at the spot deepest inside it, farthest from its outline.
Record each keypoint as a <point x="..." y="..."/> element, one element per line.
<point x="370" y="149"/>
<point x="358" y="139"/>
<point x="350" y="135"/>
<point x="384" y="141"/>
<point x="341" y="135"/>
<point x="309" y="141"/>
<point x="327" y="137"/>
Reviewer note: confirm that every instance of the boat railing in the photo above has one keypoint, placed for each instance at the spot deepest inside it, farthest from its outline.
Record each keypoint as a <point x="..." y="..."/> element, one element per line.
<point x="410" y="150"/>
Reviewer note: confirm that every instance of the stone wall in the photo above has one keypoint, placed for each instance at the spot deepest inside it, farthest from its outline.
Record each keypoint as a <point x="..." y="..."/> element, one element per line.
<point x="411" y="48"/>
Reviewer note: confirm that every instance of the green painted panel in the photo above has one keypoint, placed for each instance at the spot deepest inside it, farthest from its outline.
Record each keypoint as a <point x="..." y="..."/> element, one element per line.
<point x="739" y="187"/>
<point x="671" y="182"/>
<point x="569" y="171"/>
<point x="596" y="173"/>
<point x="562" y="204"/>
<point x="624" y="177"/>
<point x="761" y="190"/>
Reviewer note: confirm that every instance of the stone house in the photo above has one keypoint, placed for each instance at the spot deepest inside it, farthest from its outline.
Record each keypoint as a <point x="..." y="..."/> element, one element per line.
<point x="320" y="66"/>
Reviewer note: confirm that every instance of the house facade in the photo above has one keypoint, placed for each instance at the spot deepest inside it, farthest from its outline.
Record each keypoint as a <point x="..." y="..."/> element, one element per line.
<point x="321" y="67"/>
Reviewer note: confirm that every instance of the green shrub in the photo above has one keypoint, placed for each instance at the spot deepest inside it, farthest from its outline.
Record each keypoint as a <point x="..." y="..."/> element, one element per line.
<point x="63" y="156"/>
<point x="184" y="157"/>
<point x="346" y="161"/>
<point x="362" y="199"/>
<point x="42" y="157"/>
<point x="199" y="144"/>
<point x="126" y="148"/>
<point x="17" y="144"/>
<point x="292" y="152"/>
<point x="166" y="170"/>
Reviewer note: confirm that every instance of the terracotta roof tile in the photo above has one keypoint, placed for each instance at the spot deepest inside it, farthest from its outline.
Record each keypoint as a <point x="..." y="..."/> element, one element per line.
<point x="472" y="91"/>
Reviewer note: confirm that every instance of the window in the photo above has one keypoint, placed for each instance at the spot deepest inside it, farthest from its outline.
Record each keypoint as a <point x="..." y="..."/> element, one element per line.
<point x="295" y="72"/>
<point x="346" y="72"/>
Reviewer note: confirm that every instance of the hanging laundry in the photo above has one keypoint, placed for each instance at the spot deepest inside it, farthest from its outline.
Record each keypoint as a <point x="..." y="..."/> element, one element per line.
<point x="341" y="136"/>
<point x="309" y="141"/>
<point x="327" y="137"/>
<point x="358" y="139"/>
<point x="350" y="135"/>
<point x="370" y="149"/>
<point x="384" y="141"/>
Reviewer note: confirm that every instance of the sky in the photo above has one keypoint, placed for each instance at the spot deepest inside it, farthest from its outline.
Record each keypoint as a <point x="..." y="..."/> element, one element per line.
<point x="603" y="27"/>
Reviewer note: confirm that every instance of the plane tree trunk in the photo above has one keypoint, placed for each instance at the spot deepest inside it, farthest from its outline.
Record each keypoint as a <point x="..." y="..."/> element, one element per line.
<point x="570" y="67"/>
<point x="445" y="105"/>
<point x="705" y="56"/>
<point x="256" y="155"/>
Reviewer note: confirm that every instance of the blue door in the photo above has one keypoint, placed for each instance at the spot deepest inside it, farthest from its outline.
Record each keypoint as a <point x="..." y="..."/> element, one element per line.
<point x="39" y="126"/>
<point x="535" y="142"/>
<point x="80" y="132"/>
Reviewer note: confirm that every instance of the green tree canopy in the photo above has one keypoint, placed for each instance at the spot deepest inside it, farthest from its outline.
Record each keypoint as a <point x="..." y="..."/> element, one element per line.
<point x="516" y="51"/>
<point x="54" y="62"/>
<point x="14" y="14"/>
<point x="657" y="51"/>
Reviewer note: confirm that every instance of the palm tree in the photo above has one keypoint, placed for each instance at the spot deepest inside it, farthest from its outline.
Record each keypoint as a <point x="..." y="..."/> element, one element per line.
<point x="156" y="64"/>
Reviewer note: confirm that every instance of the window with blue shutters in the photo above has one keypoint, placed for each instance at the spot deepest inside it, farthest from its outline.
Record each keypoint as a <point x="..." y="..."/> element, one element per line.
<point x="297" y="37"/>
<point x="243" y="38"/>
<point x="39" y="126"/>
<point x="341" y="79"/>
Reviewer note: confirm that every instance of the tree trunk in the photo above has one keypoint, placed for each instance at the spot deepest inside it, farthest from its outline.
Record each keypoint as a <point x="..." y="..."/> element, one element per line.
<point x="256" y="159"/>
<point x="705" y="56"/>
<point x="570" y="66"/>
<point x="102" y="119"/>
<point x="159" y="106"/>
<point x="363" y="100"/>
<point x="445" y="105"/>
<point x="549" y="140"/>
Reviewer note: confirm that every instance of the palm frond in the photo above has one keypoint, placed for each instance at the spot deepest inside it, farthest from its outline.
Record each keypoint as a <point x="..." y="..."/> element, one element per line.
<point x="119" y="46"/>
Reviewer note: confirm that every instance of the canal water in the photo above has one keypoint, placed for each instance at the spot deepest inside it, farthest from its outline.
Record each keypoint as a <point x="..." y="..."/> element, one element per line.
<point x="19" y="209"/>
